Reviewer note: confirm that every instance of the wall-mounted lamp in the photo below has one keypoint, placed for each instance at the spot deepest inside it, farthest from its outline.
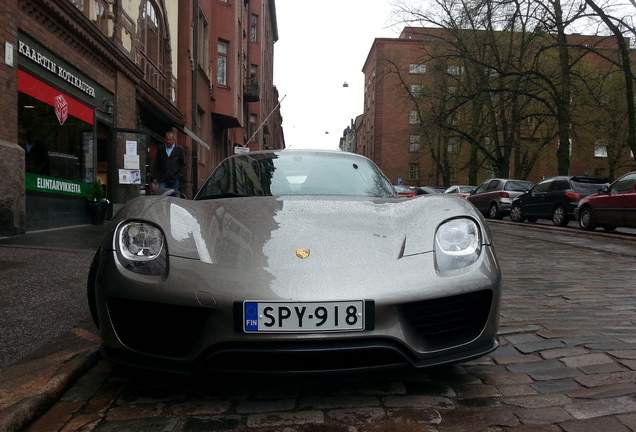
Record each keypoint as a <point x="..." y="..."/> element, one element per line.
<point x="107" y="106"/>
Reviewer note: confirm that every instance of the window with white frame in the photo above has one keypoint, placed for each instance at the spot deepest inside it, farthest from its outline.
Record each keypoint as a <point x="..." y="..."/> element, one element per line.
<point x="414" y="143"/>
<point x="455" y="70"/>
<point x="414" y="171"/>
<point x="254" y="29"/>
<point x="600" y="149"/>
<point x="221" y="72"/>
<point x="414" y="117"/>
<point x="417" y="68"/>
<point x="453" y="145"/>
<point x="416" y="90"/>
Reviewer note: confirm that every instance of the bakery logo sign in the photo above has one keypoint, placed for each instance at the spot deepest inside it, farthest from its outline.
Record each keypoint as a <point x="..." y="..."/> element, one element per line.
<point x="61" y="109"/>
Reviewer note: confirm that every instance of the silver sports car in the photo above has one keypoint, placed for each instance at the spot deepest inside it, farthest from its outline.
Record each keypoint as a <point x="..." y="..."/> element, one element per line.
<point x="295" y="261"/>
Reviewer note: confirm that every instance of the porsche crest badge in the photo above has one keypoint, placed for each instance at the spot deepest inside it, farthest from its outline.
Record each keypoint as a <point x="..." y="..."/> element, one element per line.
<point x="302" y="253"/>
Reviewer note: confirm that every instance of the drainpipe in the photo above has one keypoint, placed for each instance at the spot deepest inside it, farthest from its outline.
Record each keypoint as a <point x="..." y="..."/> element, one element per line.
<point x="195" y="57"/>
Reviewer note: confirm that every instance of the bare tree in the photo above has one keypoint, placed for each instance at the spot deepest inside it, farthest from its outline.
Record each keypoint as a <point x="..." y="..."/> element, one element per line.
<point x="613" y="24"/>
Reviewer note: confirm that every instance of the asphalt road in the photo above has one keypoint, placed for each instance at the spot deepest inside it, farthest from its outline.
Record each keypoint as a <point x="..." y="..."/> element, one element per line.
<point x="567" y="363"/>
<point x="43" y="286"/>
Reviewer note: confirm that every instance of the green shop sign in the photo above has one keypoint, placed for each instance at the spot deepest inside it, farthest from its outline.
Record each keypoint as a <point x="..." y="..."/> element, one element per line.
<point x="39" y="183"/>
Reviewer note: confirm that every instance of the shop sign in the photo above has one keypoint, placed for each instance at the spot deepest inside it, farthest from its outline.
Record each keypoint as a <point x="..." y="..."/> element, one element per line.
<point x="40" y="183"/>
<point x="36" y="58"/>
<point x="46" y="63"/>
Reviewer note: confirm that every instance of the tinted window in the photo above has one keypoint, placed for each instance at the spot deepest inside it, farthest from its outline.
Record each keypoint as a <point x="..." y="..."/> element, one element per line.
<point x="518" y="186"/>
<point x="560" y="185"/>
<point x="587" y="185"/>
<point x="482" y="187"/>
<point x="625" y="184"/>
<point x="494" y="184"/>
<point x="296" y="173"/>
<point x="542" y="186"/>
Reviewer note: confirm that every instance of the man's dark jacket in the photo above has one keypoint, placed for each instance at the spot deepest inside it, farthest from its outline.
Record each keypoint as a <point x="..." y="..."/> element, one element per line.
<point x="169" y="168"/>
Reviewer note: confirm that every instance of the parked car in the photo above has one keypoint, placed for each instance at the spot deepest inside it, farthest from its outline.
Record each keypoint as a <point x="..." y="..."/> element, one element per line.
<point x="614" y="206"/>
<point x="554" y="198"/>
<point x="274" y="266"/>
<point x="426" y="190"/>
<point x="405" y="191"/>
<point x="494" y="197"/>
<point x="461" y="190"/>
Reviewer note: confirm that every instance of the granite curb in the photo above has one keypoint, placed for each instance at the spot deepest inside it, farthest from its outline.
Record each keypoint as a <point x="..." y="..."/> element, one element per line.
<point x="32" y="385"/>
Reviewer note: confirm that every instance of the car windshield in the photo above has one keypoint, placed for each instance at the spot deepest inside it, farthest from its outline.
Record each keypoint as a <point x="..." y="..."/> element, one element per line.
<point x="518" y="186"/>
<point x="296" y="173"/>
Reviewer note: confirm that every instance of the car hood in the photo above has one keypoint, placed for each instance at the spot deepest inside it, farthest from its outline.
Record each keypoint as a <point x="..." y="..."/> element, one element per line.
<point x="269" y="231"/>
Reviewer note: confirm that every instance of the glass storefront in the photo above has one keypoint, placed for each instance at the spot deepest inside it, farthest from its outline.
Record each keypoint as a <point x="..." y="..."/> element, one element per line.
<point x="56" y="132"/>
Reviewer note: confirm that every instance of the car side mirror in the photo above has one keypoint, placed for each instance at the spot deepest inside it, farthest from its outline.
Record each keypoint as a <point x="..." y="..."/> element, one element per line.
<point x="604" y="189"/>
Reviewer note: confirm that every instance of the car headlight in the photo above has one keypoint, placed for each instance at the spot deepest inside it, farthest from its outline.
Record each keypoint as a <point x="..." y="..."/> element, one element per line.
<point x="141" y="248"/>
<point x="457" y="244"/>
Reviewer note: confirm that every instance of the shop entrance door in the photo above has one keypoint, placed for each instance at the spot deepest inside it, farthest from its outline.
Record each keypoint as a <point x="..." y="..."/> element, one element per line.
<point x="131" y="168"/>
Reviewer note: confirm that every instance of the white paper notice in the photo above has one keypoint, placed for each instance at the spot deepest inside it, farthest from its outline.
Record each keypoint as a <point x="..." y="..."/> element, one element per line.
<point x="129" y="176"/>
<point x="131" y="147"/>
<point x="131" y="161"/>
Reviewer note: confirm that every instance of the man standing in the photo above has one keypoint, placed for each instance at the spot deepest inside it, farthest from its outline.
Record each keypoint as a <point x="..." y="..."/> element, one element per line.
<point x="170" y="164"/>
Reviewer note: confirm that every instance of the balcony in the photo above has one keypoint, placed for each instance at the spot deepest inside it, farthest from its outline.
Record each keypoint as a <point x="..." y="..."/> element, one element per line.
<point x="157" y="78"/>
<point x="251" y="90"/>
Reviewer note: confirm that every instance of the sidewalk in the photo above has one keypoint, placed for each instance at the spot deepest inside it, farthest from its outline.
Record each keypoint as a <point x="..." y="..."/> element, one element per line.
<point x="30" y="386"/>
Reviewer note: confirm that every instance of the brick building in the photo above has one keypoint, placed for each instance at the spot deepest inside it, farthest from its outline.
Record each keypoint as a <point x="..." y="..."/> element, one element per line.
<point x="392" y="132"/>
<point x="90" y="87"/>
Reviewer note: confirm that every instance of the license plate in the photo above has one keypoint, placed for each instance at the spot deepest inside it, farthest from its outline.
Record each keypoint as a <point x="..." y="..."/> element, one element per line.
<point x="281" y="317"/>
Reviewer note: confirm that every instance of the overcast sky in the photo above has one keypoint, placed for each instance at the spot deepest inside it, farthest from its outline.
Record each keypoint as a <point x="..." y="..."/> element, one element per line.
<point x="320" y="46"/>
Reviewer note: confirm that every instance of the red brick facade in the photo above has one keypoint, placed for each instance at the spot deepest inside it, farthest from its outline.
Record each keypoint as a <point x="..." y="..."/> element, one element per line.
<point x="138" y="65"/>
<point x="385" y="133"/>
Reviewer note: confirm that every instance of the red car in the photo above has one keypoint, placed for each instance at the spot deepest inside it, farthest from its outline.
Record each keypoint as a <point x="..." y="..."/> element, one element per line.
<point x="405" y="191"/>
<point x="614" y="206"/>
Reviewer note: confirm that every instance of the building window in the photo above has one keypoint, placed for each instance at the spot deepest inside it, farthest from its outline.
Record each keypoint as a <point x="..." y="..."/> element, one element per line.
<point x="254" y="29"/>
<point x="221" y="72"/>
<point x="414" y="118"/>
<point x="417" y="68"/>
<point x="101" y="16"/>
<point x="414" y="143"/>
<point x="453" y="145"/>
<point x="253" y="120"/>
<point x="150" y="34"/>
<point x="600" y="149"/>
<point x="455" y="70"/>
<point x="414" y="171"/>
<point x="416" y="90"/>
<point x="599" y="172"/>
<point x="204" y="44"/>
<point x="200" y="121"/>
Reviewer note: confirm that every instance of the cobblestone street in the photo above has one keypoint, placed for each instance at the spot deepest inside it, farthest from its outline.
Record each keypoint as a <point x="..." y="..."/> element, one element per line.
<point x="567" y="362"/>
